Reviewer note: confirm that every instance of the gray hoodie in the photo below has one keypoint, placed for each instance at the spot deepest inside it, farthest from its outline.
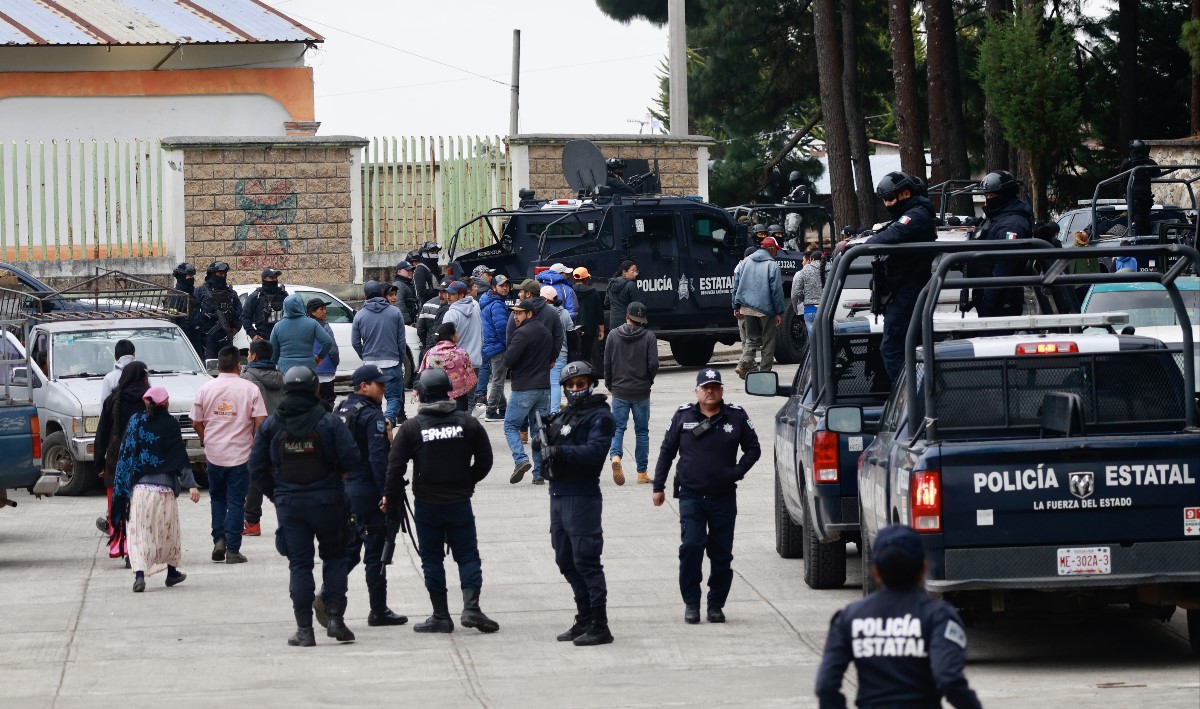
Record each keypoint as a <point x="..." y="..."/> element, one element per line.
<point x="112" y="378"/>
<point x="269" y="381"/>
<point x="377" y="334"/>
<point x="464" y="313"/>
<point x="630" y="362"/>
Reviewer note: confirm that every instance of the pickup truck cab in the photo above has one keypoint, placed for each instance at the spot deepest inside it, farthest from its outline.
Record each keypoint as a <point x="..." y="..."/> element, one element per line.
<point x="20" y="439"/>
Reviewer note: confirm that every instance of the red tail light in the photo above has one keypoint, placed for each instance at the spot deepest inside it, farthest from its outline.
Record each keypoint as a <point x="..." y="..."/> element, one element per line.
<point x="927" y="501"/>
<point x="539" y="269"/>
<point x="825" y="457"/>
<point x="1037" y="348"/>
<point x="36" y="432"/>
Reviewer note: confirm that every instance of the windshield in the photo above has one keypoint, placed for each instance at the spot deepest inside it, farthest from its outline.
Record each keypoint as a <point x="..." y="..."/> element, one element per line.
<point x="1146" y="308"/>
<point x="90" y="353"/>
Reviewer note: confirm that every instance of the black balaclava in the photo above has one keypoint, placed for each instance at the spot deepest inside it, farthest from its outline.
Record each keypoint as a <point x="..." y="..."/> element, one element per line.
<point x="187" y="284"/>
<point x="898" y="208"/>
<point x="576" y="397"/>
<point x="270" y="286"/>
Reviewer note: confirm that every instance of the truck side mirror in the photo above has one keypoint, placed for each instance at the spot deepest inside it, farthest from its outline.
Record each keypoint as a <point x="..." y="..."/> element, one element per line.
<point x="763" y="384"/>
<point x="844" y="419"/>
<point x="210" y="365"/>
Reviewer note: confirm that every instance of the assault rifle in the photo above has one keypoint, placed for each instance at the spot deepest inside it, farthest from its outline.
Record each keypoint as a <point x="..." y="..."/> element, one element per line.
<point x="399" y="518"/>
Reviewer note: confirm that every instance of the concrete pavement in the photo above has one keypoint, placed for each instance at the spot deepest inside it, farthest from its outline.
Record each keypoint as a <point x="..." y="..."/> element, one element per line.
<point x="74" y="635"/>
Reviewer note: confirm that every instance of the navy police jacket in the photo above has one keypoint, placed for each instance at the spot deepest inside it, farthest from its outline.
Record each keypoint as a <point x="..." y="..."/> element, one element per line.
<point x="581" y="435"/>
<point x="914" y="226"/>
<point x="340" y="454"/>
<point x="364" y="419"/>
<point x="908" y="648"/>
<point x="708" y="463"/>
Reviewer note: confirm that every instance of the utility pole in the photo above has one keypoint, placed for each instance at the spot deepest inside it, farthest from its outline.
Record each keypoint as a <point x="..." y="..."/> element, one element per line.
<point x="677" y="66"/>
<point x="515" y="101"/>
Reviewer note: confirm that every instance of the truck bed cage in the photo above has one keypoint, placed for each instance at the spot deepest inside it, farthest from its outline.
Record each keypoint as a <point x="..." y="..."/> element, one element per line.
<point x="950" y="189"/>
<point x="563" y="215"/>
<point x="922" y="326"/>
<point x="107" y="295"/>
<point x="1127" y="177"/>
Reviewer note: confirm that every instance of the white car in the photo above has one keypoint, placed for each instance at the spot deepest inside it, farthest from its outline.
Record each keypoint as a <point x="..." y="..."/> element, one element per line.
<point x="340" y="317"/>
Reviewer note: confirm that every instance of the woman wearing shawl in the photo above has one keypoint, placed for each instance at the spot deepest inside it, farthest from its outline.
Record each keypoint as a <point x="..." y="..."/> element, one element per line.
<point x="446" y="354"/>
<point x="152" y="468"/>
<point x="115" y="412"/>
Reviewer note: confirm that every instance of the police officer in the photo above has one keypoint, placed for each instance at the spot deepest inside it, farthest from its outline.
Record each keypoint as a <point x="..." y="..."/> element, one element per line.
<point x="426" y="273"/>
<point x="1143" y="198"/>
<point x="297" y="460"/>
<point x="264" y="307"/>
<point x="616" y="177"/>
<point x="706" y="435"/>
<point x="905" y="275"/>
<point x="185" y="280"/>
<point x="1006" y="216"/>
<point x="908" y="648"/>
<point x="220" y="309"/>
<point x="451" y="453"/>
<point x="362" y="412"/>
<point x="578" y="438"/>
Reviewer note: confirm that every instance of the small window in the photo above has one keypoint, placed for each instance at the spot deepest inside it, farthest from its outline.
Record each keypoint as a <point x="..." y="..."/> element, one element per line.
<point x="565" y="229"/>
<point x="652" y="227"/>
<point x="706" y="229"/>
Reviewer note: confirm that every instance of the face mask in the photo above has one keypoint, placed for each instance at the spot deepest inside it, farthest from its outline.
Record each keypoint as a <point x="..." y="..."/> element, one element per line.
<point x="995" y="202"/>
<point x="185" y="284"/>
<point x="574" y="397"/>
<point x="897" y="210"/>
<point x="270" y="286"/>
<point x="218" y="280"/>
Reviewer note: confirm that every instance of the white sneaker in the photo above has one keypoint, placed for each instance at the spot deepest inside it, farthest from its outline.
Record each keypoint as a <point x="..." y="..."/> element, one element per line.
<point x="480" y="410"/>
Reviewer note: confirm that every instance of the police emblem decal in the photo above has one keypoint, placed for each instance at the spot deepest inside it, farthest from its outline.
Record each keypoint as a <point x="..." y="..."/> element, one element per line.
<point x="711" y="373"/>
<point x="684" y="289"/>
<point x="566" y="429"/>
<point x="728" y="428"/>
<point x="1082" y="485"/>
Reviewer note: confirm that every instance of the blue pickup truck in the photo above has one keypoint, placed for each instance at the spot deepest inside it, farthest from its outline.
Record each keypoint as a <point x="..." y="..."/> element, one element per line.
<point x="1048" y="466"/>
<point x="20" y="433"/>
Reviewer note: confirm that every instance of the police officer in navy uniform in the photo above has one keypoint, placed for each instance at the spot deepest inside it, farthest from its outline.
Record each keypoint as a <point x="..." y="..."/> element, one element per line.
<point x="451" y="453"/>
<point x="297" y="460"/>
<point x="362" y="412"/>
<point x="185" y="281"/>
<point x="615" y="168"/>
<point x="912" y="222"/>
<point x="264" y="307"/>
<point x="220" y="310"/>
<point x="706" y="435"/>
<point x="579" y="437"/>
<point x="1006" y="216"/>
<point x="908" y="648"/>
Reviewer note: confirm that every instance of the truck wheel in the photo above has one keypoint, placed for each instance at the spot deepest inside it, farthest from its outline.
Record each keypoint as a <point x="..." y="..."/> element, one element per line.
<point x="789" y="536"/>
<point x="868" y="583"/>
<point x="693" y="351"/>
<point x="792" y="338"/>
<point x="824" y="564"/>
<point x="73" y="475"/>
<point x="1193" y="622"/>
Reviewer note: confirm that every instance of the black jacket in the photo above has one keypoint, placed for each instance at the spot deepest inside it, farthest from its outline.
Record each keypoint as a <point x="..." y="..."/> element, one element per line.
<point x="630" y="362"/>
<point x="210" y="295"/>
<point x="530" y="356"/>
<point x="425" y="282"/>
<point x="406" y="299"/>
<point x="580" y="451"/>
<point x="914" y="226"/>
<point x="341" y="455"/>
<point x="407" y="445"/>
<point x="1011" y="220"/>
<point x="621" y="292"/>
<point x="1141" y="180"/>
<point x="256" y="313"/>
<point x="548" y="317"/>
<point x="708" y="464"/>
<point x="110" y="429"/>
<point x="591" y="310"/>
<point x="369" y="429"/>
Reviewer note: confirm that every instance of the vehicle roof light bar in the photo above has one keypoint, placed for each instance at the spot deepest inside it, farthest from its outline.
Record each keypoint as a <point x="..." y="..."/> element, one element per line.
<point x="1032" y="322"/>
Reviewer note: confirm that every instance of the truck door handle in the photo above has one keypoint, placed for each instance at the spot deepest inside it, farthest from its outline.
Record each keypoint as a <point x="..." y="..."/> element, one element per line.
<point x="872" y="460"/>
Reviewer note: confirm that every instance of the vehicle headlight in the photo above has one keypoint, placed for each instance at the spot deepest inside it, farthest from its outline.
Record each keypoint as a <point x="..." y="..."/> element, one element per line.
<point x="91" y="423"/>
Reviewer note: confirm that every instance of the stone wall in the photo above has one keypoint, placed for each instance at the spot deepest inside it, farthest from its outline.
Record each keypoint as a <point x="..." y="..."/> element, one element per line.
<point x="286" y="203"/>
<point x="1176" y="152"/>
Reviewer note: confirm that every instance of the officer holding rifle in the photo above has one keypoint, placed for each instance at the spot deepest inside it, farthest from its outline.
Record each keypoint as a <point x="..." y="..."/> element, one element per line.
<point x="220" y="309"/>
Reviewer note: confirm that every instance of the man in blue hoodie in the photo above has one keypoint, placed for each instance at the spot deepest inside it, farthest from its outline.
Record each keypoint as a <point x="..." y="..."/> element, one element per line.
<point x="559" y="276"/>
<point x="377" y="335"/>
<point x="758" y="303"/>
<point x="292" y="338"/>
<point x="494" y="314"/>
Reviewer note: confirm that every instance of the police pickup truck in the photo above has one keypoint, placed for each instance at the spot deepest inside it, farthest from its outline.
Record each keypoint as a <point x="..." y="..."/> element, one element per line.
<point x="20" y="437"/>
<point x="1047" y="469"/>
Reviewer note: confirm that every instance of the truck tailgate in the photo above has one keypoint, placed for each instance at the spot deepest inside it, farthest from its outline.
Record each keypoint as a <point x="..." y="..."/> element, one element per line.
<point x="1112" y="489"/>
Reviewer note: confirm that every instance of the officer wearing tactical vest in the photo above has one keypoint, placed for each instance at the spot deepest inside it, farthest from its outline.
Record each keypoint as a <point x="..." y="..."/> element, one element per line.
<point x="908" y="648"/>
<point x="451" y="453"/>
<point x="297" y="460"/>
<point x="578" y="439"/>
<point x="264" y="307"/>
<point x="362" y="412"/>
<point x="220" y="310"/>
<point x="706" y="435"/>
<point x="185" y="281"/>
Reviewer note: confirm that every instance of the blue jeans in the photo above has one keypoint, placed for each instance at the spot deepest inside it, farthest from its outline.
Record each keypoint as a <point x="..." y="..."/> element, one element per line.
<point x="394" y="393"/>
<point x="810" y="316"/>
<point x="452" y="524"/>
<point x="555" y="384"/>
<point x="621" y="408"/>
<point x="227" y="497"/>
<point x="485" y="375"/>
<point x="521" y="405"/>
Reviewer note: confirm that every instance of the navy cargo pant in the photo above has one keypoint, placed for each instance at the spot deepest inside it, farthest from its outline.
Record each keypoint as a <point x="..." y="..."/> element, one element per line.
<point x="215" y="341"/>
<point x="453" y="524"/>
<point x="706" y="525"/>
<point x="896" y="316"/>
<point x="368" y="541"/>
<point x="302" y="517"/>
<point x="578" y="541"/>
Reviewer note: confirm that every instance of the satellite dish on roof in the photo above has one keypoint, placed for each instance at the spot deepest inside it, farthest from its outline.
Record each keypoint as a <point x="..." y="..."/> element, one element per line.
<point x="583" y="165"/>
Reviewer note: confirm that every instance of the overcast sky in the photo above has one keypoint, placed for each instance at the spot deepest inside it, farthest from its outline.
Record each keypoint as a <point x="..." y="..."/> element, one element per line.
<point x="580" y="71"/>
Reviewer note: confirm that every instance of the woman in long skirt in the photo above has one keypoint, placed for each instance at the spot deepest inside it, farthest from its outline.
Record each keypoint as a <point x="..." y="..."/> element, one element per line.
<point x="118" y="408"/>
<point x="151" y="470"/>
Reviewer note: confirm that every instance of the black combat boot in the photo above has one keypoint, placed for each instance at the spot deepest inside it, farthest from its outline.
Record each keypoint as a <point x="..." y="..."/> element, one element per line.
<point x="583" y="619"/>
<point x="303" y="637"/>
<point x="383" y="616"/>
<point x="597" y="633"/>
<point x="472" y="617"/>
<point x="440" y="621"/>
<point x="319" y="608"/>
<point x="336" y="627"/>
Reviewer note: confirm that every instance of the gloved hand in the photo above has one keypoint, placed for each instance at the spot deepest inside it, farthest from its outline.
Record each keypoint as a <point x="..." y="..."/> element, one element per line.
<point x="536" y="444"/>
<point x="550" y="453"/>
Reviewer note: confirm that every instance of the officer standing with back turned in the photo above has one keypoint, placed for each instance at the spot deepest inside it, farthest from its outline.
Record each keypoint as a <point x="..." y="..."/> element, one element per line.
<point x="220" y="310"/>
<point x="297" y="460"/>
<point x="706" y="435"/>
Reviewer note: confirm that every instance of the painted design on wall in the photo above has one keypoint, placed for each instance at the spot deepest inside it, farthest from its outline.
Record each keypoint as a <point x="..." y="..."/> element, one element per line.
<point x="267" y="212"/>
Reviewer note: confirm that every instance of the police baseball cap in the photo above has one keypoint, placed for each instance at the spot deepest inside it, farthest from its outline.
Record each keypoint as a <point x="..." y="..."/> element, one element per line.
<point x="404" y="266"/>
<point x="271" y="273"/>
<point x="900" y="541"/>
<point x="370" y="373"/>
<point x="526" y="304"/>
<point x="636" y="312"/>
<point x="708" y="376"/>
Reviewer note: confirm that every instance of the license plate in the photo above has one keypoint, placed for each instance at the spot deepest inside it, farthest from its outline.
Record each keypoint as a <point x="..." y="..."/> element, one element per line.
<point x="1086" y="561"/>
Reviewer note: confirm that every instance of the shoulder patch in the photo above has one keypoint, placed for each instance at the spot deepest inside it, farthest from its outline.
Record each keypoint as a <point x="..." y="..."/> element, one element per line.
<point x="685" y="407"/>
<point x="1011" y="235"/>
<point x="905" y="220"/>
<point x="956" y="634"/>
<point x="381" y="426"/>
<point x="733" y="406"/>
<point x="749" y="423"/>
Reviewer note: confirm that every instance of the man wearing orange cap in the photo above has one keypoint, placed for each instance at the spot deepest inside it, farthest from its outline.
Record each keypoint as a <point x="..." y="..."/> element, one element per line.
<point x="758" y="303"/>
<point x="590" y="320"/>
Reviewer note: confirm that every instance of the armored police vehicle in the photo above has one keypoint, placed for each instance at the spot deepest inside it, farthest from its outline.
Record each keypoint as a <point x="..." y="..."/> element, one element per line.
<point x="1050" y="468"/>
<point x="685" y="250"/>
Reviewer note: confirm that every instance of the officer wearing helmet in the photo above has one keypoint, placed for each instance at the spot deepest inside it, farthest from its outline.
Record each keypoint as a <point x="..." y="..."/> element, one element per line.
<point x="1143" y="200"/>
<point x="298" y="458"/>
<point x="706" y="435"/>
<point x="616" y="177"/>
<point x="425" y="270"/>
<point x="1006" y="216"/>
<point x="220" y="309"/>
<point x="578" y="439"/>
<point x="185" y="281"/>
<point x="799" y="193"/>
<point x="905" y="274"/>
<point x="450" y="453"/>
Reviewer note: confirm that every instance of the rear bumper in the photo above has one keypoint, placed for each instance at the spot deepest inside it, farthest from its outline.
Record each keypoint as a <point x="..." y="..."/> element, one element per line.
<point x="84" y="447"/>
<point x="710" y="331"/>
<point x="836" y="515"/>
<point x="1036" y="567"/>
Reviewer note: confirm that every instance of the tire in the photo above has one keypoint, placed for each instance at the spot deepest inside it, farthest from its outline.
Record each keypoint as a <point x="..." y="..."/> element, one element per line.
<point x="869" y="585"/>
<point x="789" y="536"/>
<point x="824" y="564"/>
<point x="1193" y="624"/>
<point x="792" y="339"/>
<point x="74" y="477"/>
<point x="693" y="351"/>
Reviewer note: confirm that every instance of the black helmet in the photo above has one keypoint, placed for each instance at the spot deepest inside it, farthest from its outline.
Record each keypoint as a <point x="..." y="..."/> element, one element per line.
<point x="614" y="164"/>
<point x="433" y="385"/>
<point x="1138" y="147"/>
<point x="300" y="379"/>
<point x="430" y="247"/>
<point x="893" y="182"/>
<point x="217" y="266"/>
<point x="999" y="182"/>
<point x="184" y="270"/>
<point x="413" y="256"/>
<point x="578" y="369"/>
<point x="794" y="177"/>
